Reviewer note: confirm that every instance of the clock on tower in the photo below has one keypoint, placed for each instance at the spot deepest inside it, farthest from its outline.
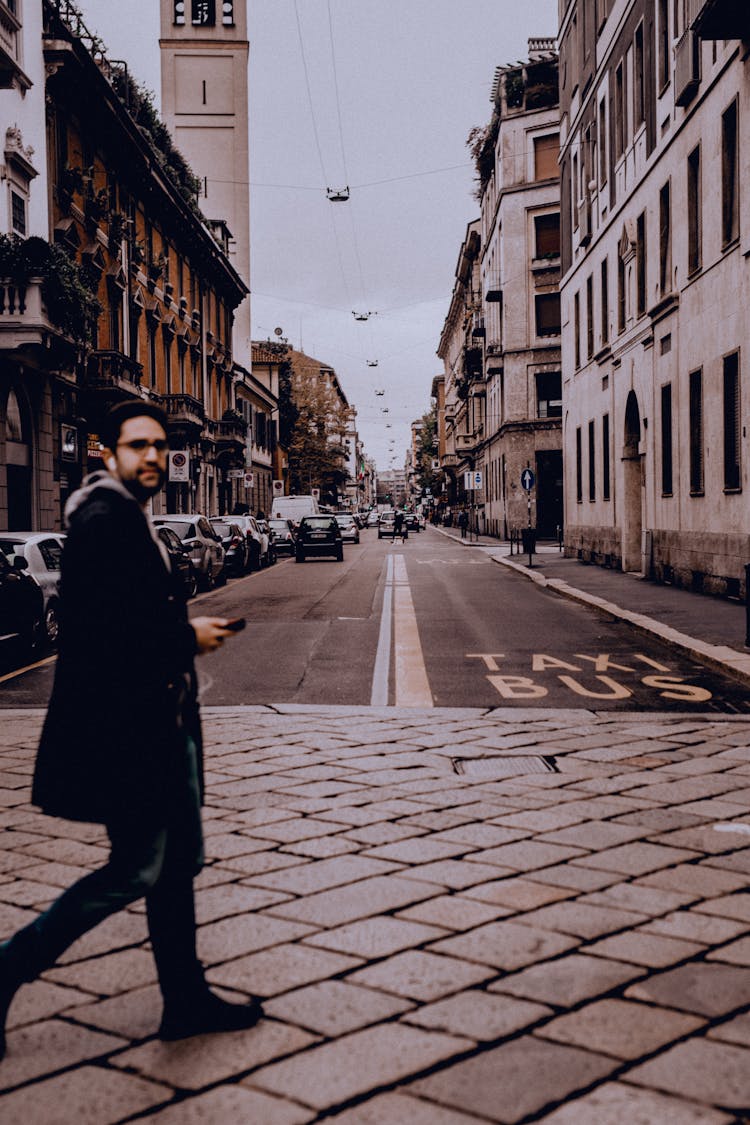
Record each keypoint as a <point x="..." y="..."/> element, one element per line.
<point x="204" y="13"/>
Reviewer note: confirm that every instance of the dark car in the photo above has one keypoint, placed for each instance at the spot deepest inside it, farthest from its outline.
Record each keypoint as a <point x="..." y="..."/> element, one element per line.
<point x="319" y="535"/>
<point x="179" y="556"/>
<point x="411" y="521"/>
<point x="21" y="610"/>
<point x="43" y="552"/>
<point x="235" y="545"/>
<point x="283" y="536"/>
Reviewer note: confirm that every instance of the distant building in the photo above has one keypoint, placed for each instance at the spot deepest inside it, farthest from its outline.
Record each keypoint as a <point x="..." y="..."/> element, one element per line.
<point x="655" y="101"/>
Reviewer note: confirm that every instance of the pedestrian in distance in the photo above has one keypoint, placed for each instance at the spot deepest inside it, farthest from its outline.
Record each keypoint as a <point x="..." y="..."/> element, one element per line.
<point x="463" y="521"/>
<point x="121" y="742"/>
<point x="398" y="526"/>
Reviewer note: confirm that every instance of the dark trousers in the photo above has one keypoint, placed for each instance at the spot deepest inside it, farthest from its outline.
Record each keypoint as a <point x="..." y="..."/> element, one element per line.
<point x="158" y="861"/>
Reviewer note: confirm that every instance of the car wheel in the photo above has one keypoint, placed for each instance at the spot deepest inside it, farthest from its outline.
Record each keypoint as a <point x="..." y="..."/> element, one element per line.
<point x="208" y="580"/>
<point x="52" y="624"/>
<point x="192" y="583"/>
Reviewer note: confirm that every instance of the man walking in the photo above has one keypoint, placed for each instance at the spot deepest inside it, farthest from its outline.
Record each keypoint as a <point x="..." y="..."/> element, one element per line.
<point x="398" y="526"/>
<point x="463" y="521"/>
<point x="121" y="744"/>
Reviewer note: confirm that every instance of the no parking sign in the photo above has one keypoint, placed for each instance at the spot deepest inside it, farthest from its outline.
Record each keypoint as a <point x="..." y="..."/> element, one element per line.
<point x="179" y="465"/>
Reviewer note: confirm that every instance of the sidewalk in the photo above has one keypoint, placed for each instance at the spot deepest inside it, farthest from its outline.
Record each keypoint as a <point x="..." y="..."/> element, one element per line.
<point x="454" y="917"/>
<point x="708" y="628"/>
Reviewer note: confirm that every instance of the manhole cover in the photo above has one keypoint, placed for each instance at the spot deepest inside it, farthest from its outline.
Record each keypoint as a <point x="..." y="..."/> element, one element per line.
<point x="487" y="768"/>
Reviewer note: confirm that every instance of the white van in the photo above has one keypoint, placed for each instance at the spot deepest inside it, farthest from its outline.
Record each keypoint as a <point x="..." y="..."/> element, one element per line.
<point x="294" y="507"/>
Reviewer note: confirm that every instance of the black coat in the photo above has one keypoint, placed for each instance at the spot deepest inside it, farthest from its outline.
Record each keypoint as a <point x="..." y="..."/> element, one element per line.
<point x="123" y="698"/>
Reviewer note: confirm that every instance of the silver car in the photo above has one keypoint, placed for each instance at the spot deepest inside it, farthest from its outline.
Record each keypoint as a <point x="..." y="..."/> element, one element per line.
<point x="206" y="550"/>
<point x="42" y="551"/>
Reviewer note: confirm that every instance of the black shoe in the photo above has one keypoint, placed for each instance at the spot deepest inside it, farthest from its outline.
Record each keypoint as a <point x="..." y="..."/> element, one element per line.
<point x="206" y="1014"/>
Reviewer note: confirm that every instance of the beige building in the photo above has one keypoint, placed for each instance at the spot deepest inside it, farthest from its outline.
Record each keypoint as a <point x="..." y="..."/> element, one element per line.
<point x="655" y="101"/>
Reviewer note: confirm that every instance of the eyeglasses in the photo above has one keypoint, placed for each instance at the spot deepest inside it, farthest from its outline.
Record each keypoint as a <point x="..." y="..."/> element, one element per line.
<point x="140" y="445"/>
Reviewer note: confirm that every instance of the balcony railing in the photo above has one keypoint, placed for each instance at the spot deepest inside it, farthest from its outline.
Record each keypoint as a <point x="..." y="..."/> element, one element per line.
<point x="465" y="441"/>
<point x="113" y="371"/>
<point x="719" y="19"/>
<point x="23" y="317"/>
<point x="184" y="409"/>
<point x="449" y="460"/>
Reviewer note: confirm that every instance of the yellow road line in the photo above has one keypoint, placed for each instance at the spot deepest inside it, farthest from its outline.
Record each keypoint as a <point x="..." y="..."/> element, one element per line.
<point x="412" y="688"/>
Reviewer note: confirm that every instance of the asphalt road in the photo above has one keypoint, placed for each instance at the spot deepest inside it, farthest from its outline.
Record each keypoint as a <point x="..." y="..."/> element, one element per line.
<point x="458" y="631"/>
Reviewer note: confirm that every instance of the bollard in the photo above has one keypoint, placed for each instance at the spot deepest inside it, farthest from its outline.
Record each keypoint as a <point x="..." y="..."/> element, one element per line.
<point x="747" y="605"/>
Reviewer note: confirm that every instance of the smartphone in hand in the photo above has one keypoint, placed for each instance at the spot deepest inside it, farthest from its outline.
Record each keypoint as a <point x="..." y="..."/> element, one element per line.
<point x="235" y="624"/>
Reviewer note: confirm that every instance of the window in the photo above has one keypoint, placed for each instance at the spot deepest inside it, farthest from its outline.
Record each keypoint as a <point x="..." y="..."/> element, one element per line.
<point x="547" y="307"/>
<point x="602" y="142"/>
<point x="621" y="294"/>
<point x="546" y="153"/>
<point x="730" y="218"/>
<point x="579" y="466"/>
<point x="549" y="395"/>
<point x="665" y="240"/>
<point x="589" y="317"/>
<point x="605" y="303"/>
<point x="619" y="111"/>
<point x="640" y="243"/>
<point x="577" y="328"/>
<point x="152" y="355"/>
<point x="18" y="213"/>
<point x="639" y="103"/>
<point x="547" y="236"/>
<point x="576" y="189"/>
<point x="663" y="58"/>
<point x="696" y="433"/>
<point x="732" y="462"/>
<point x="666" y="439"/>
<point x="605" y="457"/>
<point x="592" y="463"/>
<point x="695" y="239"/>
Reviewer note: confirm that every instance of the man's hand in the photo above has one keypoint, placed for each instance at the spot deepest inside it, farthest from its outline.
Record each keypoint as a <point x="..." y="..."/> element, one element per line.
<point x="210" y="632"/>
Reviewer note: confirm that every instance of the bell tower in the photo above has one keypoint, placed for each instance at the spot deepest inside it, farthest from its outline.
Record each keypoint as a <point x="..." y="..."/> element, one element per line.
<point x="204" y="97"/>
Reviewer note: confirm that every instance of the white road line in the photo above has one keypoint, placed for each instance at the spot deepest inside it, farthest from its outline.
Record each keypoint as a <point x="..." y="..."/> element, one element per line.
<point x="381" y="671"/>
<point x="27" y="668"/>
<point x="412" y="686"/>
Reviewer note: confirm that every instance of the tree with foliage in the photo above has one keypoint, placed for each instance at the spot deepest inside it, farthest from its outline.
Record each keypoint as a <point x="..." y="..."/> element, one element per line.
<point x="426" y="476"/>
<point x="317" y="431"/>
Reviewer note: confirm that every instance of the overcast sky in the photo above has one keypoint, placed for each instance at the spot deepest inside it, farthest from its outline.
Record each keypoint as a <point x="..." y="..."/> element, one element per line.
<point x="413" y="77"/>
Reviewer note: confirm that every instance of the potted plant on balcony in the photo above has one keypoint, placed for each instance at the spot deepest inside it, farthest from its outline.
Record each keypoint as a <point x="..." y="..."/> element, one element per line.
<point x="71" y="305"/>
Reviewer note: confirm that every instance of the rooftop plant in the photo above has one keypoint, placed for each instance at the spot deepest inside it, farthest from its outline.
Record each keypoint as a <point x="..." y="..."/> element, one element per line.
<point x="70" y="302"/>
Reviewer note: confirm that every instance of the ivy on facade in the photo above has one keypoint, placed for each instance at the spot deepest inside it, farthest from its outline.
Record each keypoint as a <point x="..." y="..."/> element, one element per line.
<point x="71" y="303"/>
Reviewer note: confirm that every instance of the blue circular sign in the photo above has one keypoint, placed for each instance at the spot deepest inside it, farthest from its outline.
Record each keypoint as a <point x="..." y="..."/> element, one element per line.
<point x="528" y="480"/>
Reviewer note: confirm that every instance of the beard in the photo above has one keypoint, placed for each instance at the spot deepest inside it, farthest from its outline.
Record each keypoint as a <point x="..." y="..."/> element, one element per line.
<point x="142" y="492"/>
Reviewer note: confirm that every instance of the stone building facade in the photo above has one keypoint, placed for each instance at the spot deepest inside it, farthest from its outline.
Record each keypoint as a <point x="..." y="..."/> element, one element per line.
<point x="655" y="102"/>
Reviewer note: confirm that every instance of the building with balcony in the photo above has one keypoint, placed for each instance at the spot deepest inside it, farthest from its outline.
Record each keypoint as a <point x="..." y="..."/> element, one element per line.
<point x="655" y="102"/>
<point x="520" y="304"/>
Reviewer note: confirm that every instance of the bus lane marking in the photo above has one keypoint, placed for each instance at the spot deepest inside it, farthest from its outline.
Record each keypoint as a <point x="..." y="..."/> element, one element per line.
<point x="411" y="686"/>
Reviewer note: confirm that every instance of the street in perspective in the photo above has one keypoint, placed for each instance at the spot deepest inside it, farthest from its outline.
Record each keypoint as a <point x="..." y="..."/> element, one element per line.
<point x="424" y="499"/>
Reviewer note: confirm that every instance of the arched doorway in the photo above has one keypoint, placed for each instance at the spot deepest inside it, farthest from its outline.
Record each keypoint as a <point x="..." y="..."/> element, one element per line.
<point x="632" y="487"/>
<point x="19" y="462"/>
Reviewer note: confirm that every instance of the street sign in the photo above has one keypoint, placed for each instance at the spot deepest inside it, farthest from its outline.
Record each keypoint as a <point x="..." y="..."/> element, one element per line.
<point x="235" y="474"/>
<point x="528" y="480"/>
<point x="179" y="465"/>
<point x="477" y="480"/>
<point x="278" y="487"/>
<point x="249" y="480"/>
<point x="315" y="493"/>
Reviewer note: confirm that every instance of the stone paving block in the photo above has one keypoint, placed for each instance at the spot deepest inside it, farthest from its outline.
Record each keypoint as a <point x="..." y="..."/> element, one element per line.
<point x="568" y="980"/>
<point x="229" y="899"/>
<point x="360" y="816"/>
<point x="703" y="1069"/>
<point x="620" y="1028"/>
<point x="595" y="835"/>
<point x="705" y="988"/>
<point x="89" y="1095"/>
<point x="421" y="976"/>
<point x="704" y="838"/>
<point x="231" y="1105"/>
<point x="335" y="1007"/>
<point x="382" y="832"/>
<point x="229" y="845"/>
<point x="455" y="873"/>
<point x="281" y="968"/>
<point x="361" y="900"/>
<point x="59" y="875"/>
<point x="526" y="855"/>
<point x="419" y="849"/>
<point x="321" y="847"/>
<point x="728" y="906"/>
<point x="478" y="1015"/>
<point x="510" y="1082"/>
<point x="68" y="851"/>
<point x="736" y="861"/>
<point x="639" y="948"/>
<point x="517" y="894"/>
<point x="108" y="975"/>
<point x="20" y="892"/>
<point x="582" y="919"/>
<point x="234" y="937"/>
<point x="616" y="1103"/>
<point x="736" y="953"/>
<point x="40" y="1000"/>
<point x="636" y="859"/>
<point x="328" y="1075"/>
<point x="119" y="931"/>
<point x="260" y="862"/>
<point x="42" y="1048"/>
<point x="453" y="912"/>
<point x="693" y="926"/>
<point x="733" y="1031"/>
<point x="192" y="1064"/>
<point x="323" y="874"/>
<point x="388" y="1109"/>
<point x="695" y="879"/>
<point x="505" y="945"/>
<point x="643" y="900"/>
<point x="134" y="1015"/>
<point x="576" y="878"/>
<point x="481" y="835"/>
<point x="546" y="820"/>
<point x="376" y="937"/>
<point x="688" y="789"/>
<point x="291" y="831"/>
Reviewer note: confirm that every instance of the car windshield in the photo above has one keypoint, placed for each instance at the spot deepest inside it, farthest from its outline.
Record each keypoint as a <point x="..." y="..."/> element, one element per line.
<point x="184" y="530"/>
<point x="279" y="525"/>
<point x="11" y="548"/>
<point x="221" y="527"/>
<point x="324" y="522"/>
<point x="342" y="520"/>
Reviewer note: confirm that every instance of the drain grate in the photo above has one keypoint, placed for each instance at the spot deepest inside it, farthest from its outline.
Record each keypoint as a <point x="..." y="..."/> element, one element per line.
<point x="499" y="767"/>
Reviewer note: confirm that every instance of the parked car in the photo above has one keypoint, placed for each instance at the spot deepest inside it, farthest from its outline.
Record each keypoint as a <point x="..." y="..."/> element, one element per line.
<point x="21" y="609"/>
<point x="42" y="551"/>
<point x="283" y="536"/>
<point x="411" y="521"/>
<point x="385" y="526"/>
<point x="206" y="551"/>
<point x="265" y="529"/>
<point x="235" y="544"/>
<point x="348" y="526"/>
<point x="294" y="507"/>
<point x="318" y="535"/>
<point x="179" y="557"/>
<point x="373" y="519"/>
<point x="257" y="543"/>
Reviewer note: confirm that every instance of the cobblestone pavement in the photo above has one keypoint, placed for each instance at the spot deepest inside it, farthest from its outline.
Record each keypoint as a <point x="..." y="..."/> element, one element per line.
<point x="454" y="916"/>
